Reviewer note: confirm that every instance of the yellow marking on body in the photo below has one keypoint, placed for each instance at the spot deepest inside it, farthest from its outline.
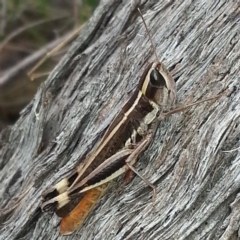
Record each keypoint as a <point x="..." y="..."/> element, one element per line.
<point x="62" y="185"/>
<point x="107" y="179"/>
<point x="62" y="199"/>
<point x="145" y="84"/>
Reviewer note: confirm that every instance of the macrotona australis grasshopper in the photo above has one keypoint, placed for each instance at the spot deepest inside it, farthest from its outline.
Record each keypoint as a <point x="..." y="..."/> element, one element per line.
<point x="127" y="136"/>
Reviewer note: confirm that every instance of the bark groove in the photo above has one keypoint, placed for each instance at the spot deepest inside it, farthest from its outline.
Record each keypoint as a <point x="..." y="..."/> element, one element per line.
<point x="194" y="159"/>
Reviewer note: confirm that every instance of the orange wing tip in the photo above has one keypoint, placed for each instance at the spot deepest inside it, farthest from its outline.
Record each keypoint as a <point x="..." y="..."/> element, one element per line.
<point x="74" y="220"/>
<point x="76" y="217"/>
<point x="67" y="228"/>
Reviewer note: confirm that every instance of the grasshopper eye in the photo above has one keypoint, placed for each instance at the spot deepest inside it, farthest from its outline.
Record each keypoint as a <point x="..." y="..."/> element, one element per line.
<point x="156" y="79"/>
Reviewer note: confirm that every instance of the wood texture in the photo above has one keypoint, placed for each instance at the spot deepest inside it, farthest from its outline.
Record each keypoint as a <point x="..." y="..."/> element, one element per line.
<point x="194" y="160"/>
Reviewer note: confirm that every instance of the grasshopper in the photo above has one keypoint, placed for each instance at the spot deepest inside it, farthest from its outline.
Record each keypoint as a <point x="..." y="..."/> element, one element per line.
<point x="128" y="135"/>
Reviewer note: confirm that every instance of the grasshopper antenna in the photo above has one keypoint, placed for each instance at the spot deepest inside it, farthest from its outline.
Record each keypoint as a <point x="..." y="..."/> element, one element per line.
<point x="149" y="35"/>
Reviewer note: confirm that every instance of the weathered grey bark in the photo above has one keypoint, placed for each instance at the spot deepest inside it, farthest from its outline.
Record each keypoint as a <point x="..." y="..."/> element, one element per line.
<point x="194" y="159"/>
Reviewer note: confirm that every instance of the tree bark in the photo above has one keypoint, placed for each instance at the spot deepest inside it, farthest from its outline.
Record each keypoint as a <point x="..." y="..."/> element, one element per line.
<point x="194" y="159"/>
